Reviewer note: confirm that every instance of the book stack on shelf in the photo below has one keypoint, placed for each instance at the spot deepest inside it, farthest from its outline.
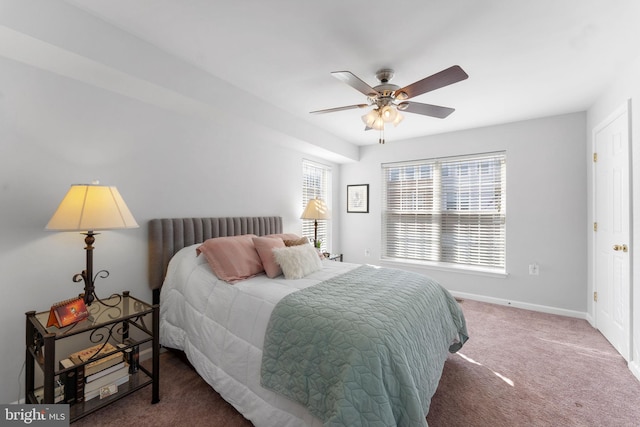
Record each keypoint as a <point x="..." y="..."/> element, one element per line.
<point x="99" y="378"/>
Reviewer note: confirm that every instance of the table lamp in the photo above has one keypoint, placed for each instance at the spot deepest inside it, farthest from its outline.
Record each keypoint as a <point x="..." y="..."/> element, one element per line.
<point x="316" y="209"/>
<point x="88" y="208"/>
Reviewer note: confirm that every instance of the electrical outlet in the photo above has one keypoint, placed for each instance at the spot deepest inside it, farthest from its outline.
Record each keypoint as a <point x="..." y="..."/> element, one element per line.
<point x="534" y="269"/>
<point x="367" y="253"/>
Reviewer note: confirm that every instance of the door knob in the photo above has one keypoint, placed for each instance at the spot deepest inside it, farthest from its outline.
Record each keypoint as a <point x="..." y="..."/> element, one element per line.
<point x="622" y="248"/>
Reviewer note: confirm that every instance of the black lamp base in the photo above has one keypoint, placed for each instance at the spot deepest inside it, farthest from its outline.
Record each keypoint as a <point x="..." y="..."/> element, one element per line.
<point x="87" y="276"/>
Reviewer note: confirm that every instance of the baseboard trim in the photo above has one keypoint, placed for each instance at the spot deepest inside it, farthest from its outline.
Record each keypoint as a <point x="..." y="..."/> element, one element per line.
<point x="634" y="367"/>
<point x="591" y="320"/>
<point x="523" y="305"/>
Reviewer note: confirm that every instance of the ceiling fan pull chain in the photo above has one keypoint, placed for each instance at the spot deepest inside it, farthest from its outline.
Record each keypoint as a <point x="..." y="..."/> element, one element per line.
<point x="381" y="138"/>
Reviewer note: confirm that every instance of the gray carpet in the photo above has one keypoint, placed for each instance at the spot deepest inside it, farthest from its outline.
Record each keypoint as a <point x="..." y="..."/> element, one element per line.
<point x="520" y="368"/>
<point x="523" y="368"/>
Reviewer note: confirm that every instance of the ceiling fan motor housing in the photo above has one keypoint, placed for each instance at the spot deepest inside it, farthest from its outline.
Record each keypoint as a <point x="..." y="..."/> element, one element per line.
<point x="385" y="75"/>
<point x="386" y="89"/>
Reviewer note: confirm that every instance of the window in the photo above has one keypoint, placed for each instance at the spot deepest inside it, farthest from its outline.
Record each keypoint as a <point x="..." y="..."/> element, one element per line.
<point x="448" y="211"/>
<point x="316" y="182"/>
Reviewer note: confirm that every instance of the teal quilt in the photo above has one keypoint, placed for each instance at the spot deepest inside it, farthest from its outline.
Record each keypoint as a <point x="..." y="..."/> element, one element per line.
<point x="365" y="348"/>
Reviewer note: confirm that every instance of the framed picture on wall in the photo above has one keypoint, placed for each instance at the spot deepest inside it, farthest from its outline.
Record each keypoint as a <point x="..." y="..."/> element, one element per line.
<point x="358" y="198"/>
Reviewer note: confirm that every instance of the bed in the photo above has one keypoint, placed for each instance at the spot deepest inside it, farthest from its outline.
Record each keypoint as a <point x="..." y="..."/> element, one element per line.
<point x="305" y="342"/>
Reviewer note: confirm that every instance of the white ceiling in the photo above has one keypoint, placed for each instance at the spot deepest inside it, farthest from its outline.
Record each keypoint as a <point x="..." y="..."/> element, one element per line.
<point x="525" y="59"/>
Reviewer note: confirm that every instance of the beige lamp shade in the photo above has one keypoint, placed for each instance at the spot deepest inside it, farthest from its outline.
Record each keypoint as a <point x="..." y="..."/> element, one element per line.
<point x="316" y="209"/>
<point x="90" y="207"/>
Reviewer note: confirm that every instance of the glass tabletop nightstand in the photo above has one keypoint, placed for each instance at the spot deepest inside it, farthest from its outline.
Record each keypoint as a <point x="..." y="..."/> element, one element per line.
<point x="121" y="320"/>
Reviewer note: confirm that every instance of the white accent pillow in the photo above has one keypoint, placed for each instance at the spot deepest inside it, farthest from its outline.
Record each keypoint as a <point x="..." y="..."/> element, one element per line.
<point x="297" y="261"/>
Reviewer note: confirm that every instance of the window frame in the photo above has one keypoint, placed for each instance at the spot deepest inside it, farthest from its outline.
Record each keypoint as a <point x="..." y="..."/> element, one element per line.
<point x="312" y="187"/>
<point x="428" y="220"/>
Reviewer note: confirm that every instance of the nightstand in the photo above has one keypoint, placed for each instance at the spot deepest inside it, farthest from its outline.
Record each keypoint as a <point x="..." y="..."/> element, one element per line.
<point x="127" y="323"/>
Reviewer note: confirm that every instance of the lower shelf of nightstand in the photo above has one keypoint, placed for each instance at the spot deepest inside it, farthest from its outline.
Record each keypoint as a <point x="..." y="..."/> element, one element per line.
<point x="136" y="381"/>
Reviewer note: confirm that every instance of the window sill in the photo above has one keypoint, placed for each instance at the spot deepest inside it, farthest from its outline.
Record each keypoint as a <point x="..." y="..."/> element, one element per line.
<point x="478" y="271"/>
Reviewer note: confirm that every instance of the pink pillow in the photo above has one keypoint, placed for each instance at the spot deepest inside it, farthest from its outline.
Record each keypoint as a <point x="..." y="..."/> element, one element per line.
<point x="284" y="236"/>
<point x="265" y="246"/>
<point x="297" y="241"/>
<point x="232" y="258"/>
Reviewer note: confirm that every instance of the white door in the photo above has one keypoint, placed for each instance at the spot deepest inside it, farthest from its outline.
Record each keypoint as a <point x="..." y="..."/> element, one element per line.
<point x="612" y="236"/>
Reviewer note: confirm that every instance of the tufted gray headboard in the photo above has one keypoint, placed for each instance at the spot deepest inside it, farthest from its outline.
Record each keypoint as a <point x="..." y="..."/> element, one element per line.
<point x="168" y="235"/>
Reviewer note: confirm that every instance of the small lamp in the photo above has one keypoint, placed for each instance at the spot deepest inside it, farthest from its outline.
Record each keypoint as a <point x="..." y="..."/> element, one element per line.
<point x="87" y="208"/>
<point x="316" y="209"/>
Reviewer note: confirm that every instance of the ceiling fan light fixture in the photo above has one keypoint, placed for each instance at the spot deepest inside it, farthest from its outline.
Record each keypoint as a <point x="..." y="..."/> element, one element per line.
<point x="378" y="124"/>
<point x="399" y="117"/>
<point x="373" y="119"/>
<point x="388" y="114"/>
<point x="369" y="118"/>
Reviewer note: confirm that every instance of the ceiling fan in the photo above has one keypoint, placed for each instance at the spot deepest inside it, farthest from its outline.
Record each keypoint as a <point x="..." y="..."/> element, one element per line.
<point x="388" y="99"/>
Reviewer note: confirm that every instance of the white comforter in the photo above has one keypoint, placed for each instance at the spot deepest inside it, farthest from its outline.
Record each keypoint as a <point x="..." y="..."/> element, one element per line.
<point x="221" y="329"/>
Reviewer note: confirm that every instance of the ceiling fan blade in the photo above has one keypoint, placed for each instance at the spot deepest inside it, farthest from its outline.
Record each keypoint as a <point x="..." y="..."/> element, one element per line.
<point x="426" y="109"/>
<point x="444" y="78"/>
<point x="332" y="110"/>
<point x="349" y="78"/>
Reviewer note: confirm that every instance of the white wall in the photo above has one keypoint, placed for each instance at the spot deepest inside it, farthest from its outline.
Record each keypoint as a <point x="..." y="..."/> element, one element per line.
<point x="546" y="210"/>
<point x="55" y="132"/>
<point x="625" y="89"/>
<point x="60" y="126"/>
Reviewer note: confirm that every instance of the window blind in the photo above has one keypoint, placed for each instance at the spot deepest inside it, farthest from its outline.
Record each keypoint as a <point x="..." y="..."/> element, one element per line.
<point x="316" y="182"/>
<point x="448" y="211"/>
